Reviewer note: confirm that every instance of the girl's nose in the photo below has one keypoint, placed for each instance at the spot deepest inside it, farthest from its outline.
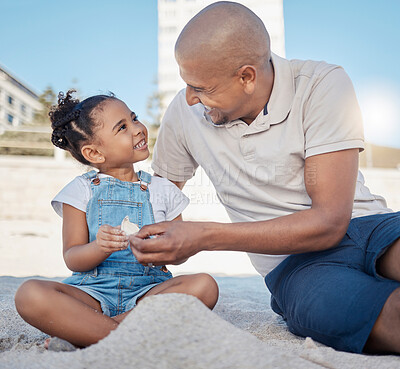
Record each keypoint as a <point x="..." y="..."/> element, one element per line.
<point x="139" y="128"/>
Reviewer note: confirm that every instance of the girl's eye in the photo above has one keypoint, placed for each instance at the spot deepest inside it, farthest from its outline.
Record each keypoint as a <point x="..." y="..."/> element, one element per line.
<point x="136" y="118"/>
<point x="123" y="126"/>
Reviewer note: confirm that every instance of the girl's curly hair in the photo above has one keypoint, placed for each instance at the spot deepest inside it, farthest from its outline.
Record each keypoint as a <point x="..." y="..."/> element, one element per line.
<point x="73" y="123"/>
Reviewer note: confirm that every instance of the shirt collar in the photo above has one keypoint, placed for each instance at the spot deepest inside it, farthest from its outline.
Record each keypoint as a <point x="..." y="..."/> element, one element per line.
<point x="283" y="91"/>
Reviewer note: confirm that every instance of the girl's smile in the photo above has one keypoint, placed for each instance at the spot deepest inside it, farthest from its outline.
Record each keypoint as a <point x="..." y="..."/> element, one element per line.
<point x="141" y="145"/>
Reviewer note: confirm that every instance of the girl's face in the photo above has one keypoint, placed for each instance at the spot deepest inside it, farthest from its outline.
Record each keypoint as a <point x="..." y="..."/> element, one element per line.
<point x="122" y="139"/>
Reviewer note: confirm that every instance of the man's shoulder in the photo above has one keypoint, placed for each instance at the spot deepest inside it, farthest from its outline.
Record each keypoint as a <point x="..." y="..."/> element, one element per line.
<point x="314" y="69"/>
<point x="304" y="74"/>
<point x="309" y="74"/>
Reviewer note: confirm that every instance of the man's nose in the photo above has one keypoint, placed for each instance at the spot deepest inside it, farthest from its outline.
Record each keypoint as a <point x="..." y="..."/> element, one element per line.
<point x="191" y="96"/>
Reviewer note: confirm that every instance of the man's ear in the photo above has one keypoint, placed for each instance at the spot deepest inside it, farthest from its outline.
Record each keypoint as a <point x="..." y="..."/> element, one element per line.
<point x="247" y="75"/>
<point x="92" y="154"/>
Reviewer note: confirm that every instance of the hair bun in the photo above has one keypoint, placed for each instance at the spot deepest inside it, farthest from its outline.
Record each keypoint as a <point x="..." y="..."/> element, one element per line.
<point x="73" y="115"/>
<point x="60" y="128"/>
<point x="58" y="138"/>
<point x="73" y="124"/>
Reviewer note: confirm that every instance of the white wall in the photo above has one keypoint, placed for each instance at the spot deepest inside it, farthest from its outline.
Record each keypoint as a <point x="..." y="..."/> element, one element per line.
<point x="173" y="16"/>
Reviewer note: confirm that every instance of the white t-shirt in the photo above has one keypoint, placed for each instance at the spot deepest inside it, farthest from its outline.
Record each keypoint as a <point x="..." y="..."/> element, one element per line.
<point x="167" y="200"/>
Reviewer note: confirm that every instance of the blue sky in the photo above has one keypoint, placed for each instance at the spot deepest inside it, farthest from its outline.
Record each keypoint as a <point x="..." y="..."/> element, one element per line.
<point x="101" y="46"/>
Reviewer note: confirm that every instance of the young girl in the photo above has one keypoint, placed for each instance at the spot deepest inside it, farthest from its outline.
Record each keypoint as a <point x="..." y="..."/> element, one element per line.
<point x="107" y="280"/>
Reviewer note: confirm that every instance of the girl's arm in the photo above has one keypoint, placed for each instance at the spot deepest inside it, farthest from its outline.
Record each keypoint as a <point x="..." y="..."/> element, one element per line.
<point x="79" y="254"/>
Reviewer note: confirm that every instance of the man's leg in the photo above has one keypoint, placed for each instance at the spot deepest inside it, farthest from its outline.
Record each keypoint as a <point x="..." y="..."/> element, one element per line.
<point x="385" y="335"/>
<point x="329" y="297"/>
<point x="388" y="265"/>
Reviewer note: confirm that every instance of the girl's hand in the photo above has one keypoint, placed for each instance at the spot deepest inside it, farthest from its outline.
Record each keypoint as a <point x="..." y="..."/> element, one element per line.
<point x="110" y="239"/>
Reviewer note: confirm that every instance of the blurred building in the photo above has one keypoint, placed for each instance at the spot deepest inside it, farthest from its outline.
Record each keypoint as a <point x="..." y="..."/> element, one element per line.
<point x="173" y="16"/>
<point x="18" y="103"/>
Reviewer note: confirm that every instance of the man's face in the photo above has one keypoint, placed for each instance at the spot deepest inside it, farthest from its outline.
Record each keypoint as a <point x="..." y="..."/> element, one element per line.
<point x="221" y="93"/>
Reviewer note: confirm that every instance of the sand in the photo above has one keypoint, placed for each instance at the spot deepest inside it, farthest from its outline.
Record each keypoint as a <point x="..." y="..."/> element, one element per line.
<point x="178" y="331"/>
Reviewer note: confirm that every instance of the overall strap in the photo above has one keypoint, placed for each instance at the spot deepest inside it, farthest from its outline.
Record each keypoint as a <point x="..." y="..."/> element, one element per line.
<point x="145" y="179"/>
<point x="90" y="175"/>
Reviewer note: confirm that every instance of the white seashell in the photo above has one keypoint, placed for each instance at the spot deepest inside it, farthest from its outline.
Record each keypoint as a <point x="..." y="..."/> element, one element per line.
<point x="128" y="227"/>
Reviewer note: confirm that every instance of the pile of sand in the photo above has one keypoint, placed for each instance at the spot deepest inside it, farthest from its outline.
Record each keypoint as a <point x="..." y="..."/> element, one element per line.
<point x="177" y="331"/>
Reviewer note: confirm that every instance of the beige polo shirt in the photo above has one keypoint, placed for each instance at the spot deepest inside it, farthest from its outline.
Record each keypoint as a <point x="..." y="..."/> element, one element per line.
<point x="258" y="169"/>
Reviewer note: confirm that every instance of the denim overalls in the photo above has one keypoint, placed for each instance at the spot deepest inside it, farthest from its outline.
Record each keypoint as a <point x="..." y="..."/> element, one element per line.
<point x="120" y="280"/>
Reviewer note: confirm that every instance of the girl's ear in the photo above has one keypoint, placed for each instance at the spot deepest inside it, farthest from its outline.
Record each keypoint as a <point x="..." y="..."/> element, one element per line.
<point x="92" y="155"/>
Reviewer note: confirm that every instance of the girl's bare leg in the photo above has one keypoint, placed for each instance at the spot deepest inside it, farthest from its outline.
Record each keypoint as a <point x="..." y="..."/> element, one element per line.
<point x="201" y="285"/>
<point x="63" y="311"/>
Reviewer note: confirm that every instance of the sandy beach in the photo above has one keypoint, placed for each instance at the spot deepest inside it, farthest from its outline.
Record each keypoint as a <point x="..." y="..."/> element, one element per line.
<point x="170" y="331"/>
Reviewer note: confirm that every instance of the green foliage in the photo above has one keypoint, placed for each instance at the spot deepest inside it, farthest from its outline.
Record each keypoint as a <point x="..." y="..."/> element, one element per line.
<point x="155" y="108"/>
<point x="47" y="99"/>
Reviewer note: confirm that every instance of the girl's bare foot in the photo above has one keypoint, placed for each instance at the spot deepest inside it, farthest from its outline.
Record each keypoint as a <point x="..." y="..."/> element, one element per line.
<point x="57" y="344"/>
<point x="46" y="343"/>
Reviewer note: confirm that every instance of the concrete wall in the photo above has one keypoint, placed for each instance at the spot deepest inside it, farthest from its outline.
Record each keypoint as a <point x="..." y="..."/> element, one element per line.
<point x="28" y="184"/>
<point x="30" y="242"/>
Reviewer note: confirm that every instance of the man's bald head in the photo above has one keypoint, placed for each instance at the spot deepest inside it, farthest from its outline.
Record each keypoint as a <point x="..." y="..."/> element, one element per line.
<point x="226" y="35"/>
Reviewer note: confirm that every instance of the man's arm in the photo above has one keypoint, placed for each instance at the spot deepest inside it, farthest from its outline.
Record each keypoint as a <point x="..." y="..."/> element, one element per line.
<point x="330" y="182"/>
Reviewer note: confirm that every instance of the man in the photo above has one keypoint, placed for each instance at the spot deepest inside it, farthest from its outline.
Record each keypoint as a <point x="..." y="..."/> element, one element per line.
<point x="280" y="141"/>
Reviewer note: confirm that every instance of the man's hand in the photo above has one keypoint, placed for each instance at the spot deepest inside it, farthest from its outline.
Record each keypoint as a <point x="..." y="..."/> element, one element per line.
<point x="171" y="242"/>
<point x="110" y="239"/>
